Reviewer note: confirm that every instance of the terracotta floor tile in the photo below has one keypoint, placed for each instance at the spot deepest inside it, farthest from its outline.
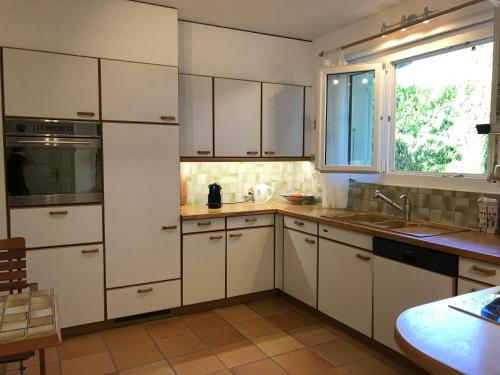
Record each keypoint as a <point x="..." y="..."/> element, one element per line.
<point x="239" y="353"/>
<point x="95" y="364"/>
<point x="200" y="363"/>
<point x="269" y="307"/>
<point x="368" y="366"/>
<point x="51" y="355"/>
<point x="302" y="362"/>
<point x="220" y="336"/>
<point x="339" y="352"/>
<point x="277" y="343"/>
<point x="180" y="345"/>
<point x="222" y="372"/>
<point x="156" y="368"/>
<point x="335" y="371"/>
<point x="289" y="320"/>
<point x="264" y="367"/>
<point x="256" y="327"/>
<point x="167" y="328"/>
<point x="312" y="335"/>
<point x="127" y="336"/>
<point x="82" y="345"/>
<point x="236" y="314"/>
<point x="134" y="356"/>
<point x="52" y="368"/>
<point x="203" y="321"/>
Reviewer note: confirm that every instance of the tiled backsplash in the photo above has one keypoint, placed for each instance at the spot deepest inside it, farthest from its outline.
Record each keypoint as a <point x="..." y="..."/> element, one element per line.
<point x="237" y="177"/>
<point x="441" y="206"/>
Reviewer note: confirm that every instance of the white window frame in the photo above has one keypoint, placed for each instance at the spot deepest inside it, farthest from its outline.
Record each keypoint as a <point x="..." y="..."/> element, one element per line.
<point x="376" y="166"/>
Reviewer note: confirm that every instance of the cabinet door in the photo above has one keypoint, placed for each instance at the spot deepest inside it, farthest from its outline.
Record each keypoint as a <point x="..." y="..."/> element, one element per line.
<point x="3" y="203"/>
<point x="300" y="266"/>
<point x="237" y="117"/>
<point x="250" y="260"/>
<point x="195" y="115"/>
<point x="465" y="286"/>
<point x="309" y="133"/>
<point x="77" y="276"/>
<point x="139" y="92"/>
<point x="204" y="267"/>
<point x="345" y="285"/>
<point x="49" y="85"/>
<point x="282" y="120"/>
<point x="141" y="199"/>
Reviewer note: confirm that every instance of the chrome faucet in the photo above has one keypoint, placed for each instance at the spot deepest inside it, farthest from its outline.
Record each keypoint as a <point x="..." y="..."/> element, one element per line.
<point x="406" y="208"/>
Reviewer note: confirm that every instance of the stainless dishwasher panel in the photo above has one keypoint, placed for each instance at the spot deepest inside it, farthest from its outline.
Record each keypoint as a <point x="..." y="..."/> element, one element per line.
<point x="404" y="283"/>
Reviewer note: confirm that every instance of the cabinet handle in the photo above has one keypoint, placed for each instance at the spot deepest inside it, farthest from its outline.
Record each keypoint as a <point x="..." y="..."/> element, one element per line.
<point x="252" y="152"/>
<point x="90" y="251"/>
<point x="363" y="257"/>
<point x="235" y="235"/>
<point x="169" y="227"/>
<point x="325" y="230"/>
<point x="308" y="240"/>
<point x="86" y="114"/>
<point x="145" y="290"/>
<point x="484" y="271"/>
<point x="204" y="223"/>
<point x="203" y="152"/>
<point x="269" y="152"/>
<point x="250" y="219"/>
<point x="216" y="237"/>
<point x="167" y="118"/>
<point x="56" y="213"/>
<point x="299" y="223"/>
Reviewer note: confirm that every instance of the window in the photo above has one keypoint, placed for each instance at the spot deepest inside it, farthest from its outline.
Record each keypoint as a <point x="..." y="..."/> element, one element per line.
<point x="438" y="101"/>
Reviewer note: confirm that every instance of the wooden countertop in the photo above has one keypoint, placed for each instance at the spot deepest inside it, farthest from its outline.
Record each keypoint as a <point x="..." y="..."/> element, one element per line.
<point x="471" y="244"/>
<point x="443" y="340"/>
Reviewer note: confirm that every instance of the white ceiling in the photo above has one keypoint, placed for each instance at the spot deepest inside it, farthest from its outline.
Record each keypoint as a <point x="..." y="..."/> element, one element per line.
<point x="304" y="19"/>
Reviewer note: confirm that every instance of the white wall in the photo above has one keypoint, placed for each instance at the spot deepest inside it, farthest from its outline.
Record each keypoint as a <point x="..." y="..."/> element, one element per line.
<point x="222" y="52"/>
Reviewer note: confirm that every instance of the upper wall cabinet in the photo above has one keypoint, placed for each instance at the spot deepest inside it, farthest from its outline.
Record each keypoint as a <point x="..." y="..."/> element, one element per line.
<point x="139" y="92"/>
<point x="196" y="115"/>
<point x="349" y="118"/>
<point x="237" y="117"/>
<point x="50" y="85"/>
<point x="282" y="120"/>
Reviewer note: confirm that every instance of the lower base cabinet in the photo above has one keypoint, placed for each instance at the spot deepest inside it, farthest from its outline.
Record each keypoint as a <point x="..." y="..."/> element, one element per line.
<point x="345" y="285"/>
<point x="250" y="260"/>
<point x="77" y="276"/>
<point x="300" y="262"/>
<point x="203" y="266"/>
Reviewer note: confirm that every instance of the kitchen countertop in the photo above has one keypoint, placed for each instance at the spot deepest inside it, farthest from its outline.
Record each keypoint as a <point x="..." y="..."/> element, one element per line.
<point x="471" y="244"/>
<point x="443" y="340"/>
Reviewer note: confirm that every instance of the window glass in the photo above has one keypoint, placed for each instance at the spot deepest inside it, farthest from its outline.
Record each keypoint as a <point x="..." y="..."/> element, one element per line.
<point x="439" y="100"/>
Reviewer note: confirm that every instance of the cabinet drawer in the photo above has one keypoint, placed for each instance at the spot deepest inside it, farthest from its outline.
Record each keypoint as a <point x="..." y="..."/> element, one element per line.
<point x="302" y="225"/>
<point x="485" y="272"/>
<point x="203" y="225"/>
<point x="467" y="286"/>
<point x="348" y="237"/>
<point x="250" y="221"/>
<point x="143" y="298"/>
<point x="57" y="225"/>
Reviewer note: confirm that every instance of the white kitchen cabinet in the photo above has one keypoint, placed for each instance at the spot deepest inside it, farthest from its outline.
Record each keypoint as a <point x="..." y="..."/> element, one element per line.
<point x="50" y="85"/>
<point x="480" y="271"/>
<point x="278" y="249"/>
<point x="307" y="226"/>
<point x="309" y="128"/>
<point x="300" y="272"/>
<point x="361" y="240"/>
<point x="204" y="263"/>
<point x="250" y="260"/>
<point x="237" y="106"/>
<point x="282" y="120"/>
<point x="196" y="115"/>
<point x="141" y="197"/>
<point x="345" y="285"/>
<point x="77" y="276"/>
<point x="465" y="286"/>
<point x="203" y="225"/>
<point x="139" y="92"/>
<point x="3" y="203"/>
<point x="248" y="221"/>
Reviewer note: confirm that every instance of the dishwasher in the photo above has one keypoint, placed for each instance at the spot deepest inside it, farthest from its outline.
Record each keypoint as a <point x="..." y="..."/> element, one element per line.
<point x="406" y="276"/>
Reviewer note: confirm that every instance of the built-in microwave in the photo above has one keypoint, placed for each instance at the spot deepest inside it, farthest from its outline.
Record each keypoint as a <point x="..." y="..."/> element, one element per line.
<point x="52" y="162"/>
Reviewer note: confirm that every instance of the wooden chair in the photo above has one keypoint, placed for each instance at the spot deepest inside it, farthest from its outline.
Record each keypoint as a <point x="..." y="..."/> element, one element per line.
<point x="13" y="280"/>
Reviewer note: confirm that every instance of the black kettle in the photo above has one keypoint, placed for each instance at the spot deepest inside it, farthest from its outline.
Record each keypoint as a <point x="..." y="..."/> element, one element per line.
<point x="214" y="195"/>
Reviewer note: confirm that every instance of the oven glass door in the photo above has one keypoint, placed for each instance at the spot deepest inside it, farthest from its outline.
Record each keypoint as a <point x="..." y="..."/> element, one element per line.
<point x="44" y="170"/>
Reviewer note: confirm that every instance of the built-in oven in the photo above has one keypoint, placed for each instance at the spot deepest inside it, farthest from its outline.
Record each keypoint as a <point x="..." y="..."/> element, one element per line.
<point x="53" y="162"/>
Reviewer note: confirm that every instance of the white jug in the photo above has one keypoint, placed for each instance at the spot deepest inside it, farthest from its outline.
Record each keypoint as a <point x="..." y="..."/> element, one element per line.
<point x="263" y="193"/>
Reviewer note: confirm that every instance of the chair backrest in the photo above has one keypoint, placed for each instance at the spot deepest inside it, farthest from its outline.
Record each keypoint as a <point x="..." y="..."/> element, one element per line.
<point x="13" y="265"/>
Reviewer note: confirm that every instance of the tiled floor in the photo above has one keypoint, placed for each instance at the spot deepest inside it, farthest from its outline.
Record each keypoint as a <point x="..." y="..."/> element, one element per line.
<point x="270" y="337"/>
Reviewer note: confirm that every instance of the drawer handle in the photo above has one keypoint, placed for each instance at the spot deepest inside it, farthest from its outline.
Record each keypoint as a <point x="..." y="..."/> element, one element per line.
<point x="363" y="257"/>
<point x="308" y="240"/>
<point x="252" y="152"/>
<point x="216" y="237"/>
<point x="90" y="251"/>
<point x="203" y="152"/>
<point x="250" y="219"/>
<point x="167" y="118"/>
<point x="85" y="114"/>
<point x="145" y="290"/>
<point x="325" y="230"/>
<point x="169" y="227"/>
<point x="204" y="223"/>
<point x="269" y="152"/>
<point x="56" y="213"/>
<point x="235" y="235"/>
<point x="299" y="223"/>
<point x="484" y="271"/>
